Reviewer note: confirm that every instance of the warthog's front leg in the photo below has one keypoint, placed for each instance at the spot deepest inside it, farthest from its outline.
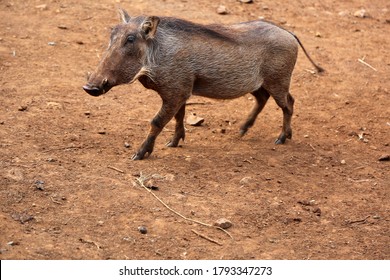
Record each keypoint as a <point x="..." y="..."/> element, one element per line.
<point x="166" y="113"/>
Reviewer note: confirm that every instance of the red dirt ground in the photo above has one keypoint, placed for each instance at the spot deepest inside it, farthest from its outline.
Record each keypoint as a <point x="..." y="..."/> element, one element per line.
<point x="67" y="184"/>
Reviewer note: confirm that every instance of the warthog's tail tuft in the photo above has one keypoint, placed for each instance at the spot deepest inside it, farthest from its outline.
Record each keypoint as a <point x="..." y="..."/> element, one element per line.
<point x="318" y="68"/>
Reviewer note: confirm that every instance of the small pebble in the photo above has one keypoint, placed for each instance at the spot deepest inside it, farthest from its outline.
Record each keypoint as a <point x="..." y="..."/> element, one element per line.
<point x="384" y="158"/>
<point x="222" y="10"/>
<point x="223" y="223"/>
<point x="142" y="230"/>
<point x="127" y="145"/>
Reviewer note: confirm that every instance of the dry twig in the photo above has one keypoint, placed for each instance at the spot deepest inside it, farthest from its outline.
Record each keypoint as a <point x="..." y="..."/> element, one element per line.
<point x="361" y="60"/>
<point x="116" y="169"/>
<point x="206" y="237"/>
<point x="358" y="221"/>
<point x="141" y="179"/>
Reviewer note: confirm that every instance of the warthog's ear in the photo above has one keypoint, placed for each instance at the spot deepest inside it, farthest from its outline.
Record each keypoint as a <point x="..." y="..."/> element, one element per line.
<point x="124" y="16"/>
<point x="149" y="27"/>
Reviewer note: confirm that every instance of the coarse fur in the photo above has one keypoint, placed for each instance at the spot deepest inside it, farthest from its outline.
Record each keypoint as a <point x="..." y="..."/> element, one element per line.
<point x="178" y="58"/>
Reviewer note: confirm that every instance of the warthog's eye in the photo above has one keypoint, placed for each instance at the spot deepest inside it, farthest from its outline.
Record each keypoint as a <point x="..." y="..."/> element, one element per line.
<point x="130" y="39"/>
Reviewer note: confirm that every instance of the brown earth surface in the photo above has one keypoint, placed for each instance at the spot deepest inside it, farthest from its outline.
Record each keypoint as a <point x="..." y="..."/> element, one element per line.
<point x="68" y="186"/>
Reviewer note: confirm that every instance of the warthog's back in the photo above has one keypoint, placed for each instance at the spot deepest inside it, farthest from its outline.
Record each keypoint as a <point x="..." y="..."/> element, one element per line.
<point x="225" y="61"/>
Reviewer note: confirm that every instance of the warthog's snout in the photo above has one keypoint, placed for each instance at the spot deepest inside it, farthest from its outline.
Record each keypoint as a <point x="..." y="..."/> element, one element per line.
<point x="97" y="90"/>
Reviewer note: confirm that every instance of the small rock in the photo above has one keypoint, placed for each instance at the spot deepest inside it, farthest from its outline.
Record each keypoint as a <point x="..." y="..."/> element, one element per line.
<point x="384" y="158"/>
<point x="143" y="230"/>
<point x="246" y="1"/>
<point x="222" y="130"/>
<point x="194" y="120"/>
<point x="102" y="131"/>
<point x="127" y="145"/>
<point x="343" y="13"/>
<point x="52" y="43"/>
<point x="318" y="34"/>
<point x="62" y="27"/>
<point x="87" y="113"/>
<point x="307" y="202"/>
<point x="13" y="243"/>
<point x="39" y="185"/>
<point x="42" y="7"/>
<point x="22" y="217"/>
<point x="222" y="10"/>
<point x="223" y="223"/>
<point x="317" y="211"/>
<point x="54" y="105"/>
<point x="343" y="162"/>
<point x="245" y="181"/>
<point x="22" y="108"/>
<point x="79" y="42"/>
<point x="361" y="14"/>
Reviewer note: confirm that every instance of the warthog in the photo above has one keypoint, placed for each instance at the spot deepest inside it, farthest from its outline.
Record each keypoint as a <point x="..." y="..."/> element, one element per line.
<point x="178" y="58"/>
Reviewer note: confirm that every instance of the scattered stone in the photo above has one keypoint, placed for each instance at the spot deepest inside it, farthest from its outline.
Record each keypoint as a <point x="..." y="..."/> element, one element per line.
<point x="62" y="27"/>
<point x="222" y="10"/>
<point x="13" y="243"/>
<point x="102" y="131"/>
<point x="22" y="217"/>
<point x="245" y="181"/>
<point x="127" y="145"/>
<point x="318" y="34"/>
<point x="293" y="220"/>
<point x="143" y="230"/>
<point x="223" y="223"/>
<point x="343" y="162"/>
<point x="79" y="42"/>
<point x="87" y="113"/>
<point x="307" y="202"/>
<point x="384" y="158"/>
<point x="54" y="105"/>
<point x="362" y="13"/>
<point x="317" y="211"/>
<point x="194" y="120"/>
<point x="39" y="185"/>
<point x="246" y="1"/>
<point x="22" y="108"/>
<point x="42" y="7"/>
<point x="343" y="13"/>
<point x="52" y="43"/>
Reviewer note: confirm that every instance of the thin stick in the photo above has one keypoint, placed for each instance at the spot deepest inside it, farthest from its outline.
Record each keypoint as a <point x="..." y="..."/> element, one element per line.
<point x="55" y="201"/>
<point x="359" y="221"/>
<point x="116" y="169"/>
<point x="140" y="181"/>
<point x="365" y="63"/>
<point x="206" y="237"/>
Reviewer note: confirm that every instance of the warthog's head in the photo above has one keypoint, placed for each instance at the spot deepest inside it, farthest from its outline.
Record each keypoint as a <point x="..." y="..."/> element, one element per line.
<point x="124" y="60"/>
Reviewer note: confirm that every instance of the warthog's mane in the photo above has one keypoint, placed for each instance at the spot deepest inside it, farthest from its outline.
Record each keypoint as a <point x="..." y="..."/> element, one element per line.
<point x="212" y="31"/>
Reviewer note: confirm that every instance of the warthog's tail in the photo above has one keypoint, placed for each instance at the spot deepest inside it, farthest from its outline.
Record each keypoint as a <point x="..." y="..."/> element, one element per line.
<point x="318" y="68"/>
